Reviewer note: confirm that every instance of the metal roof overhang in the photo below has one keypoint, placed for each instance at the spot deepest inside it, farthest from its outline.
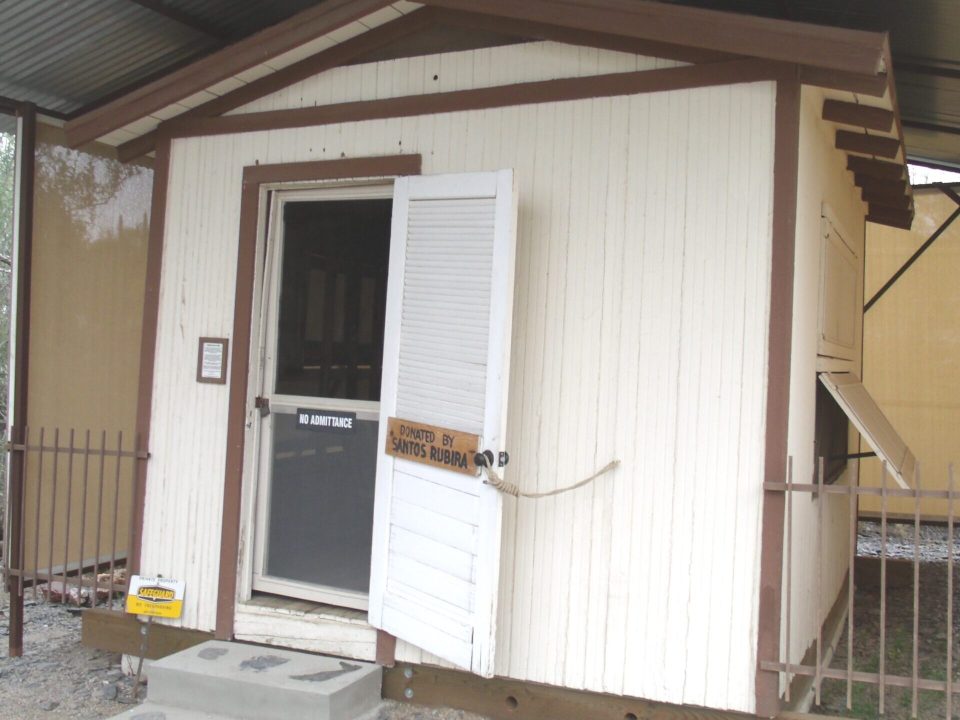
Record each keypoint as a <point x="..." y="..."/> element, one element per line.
<point x="70" y="58"/>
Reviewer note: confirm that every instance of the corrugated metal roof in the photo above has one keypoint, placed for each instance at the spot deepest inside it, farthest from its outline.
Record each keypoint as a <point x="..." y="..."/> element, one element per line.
<point x="8" y="124"/>
<point x="68" y="55"/>
<point x="65" y="55"/>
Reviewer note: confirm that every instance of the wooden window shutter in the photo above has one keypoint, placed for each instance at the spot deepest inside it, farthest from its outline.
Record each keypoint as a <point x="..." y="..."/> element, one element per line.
<point x="872" y="425"/>
<point x="436" y="536"/>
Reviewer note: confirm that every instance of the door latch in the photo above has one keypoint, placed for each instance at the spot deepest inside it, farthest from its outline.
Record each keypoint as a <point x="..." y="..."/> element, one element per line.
<point x="262" y="404"/>
<point x="485" y="459"/>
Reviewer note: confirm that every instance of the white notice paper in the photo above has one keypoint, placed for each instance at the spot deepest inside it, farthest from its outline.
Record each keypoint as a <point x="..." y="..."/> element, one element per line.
<point x="211" y="367"/>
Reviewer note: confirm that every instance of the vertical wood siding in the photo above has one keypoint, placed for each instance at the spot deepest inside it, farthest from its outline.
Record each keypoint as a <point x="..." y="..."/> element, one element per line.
<point x="822" y="178"/>
<point x="446" y="72"/>
<point x="641" y="310"/>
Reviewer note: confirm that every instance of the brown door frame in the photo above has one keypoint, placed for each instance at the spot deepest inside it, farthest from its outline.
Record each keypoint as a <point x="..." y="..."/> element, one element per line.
<point x="254" y="177"/>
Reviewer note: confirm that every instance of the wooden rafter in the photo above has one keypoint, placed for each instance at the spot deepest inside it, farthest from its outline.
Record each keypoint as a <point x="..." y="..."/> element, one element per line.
<point x="865" y="116"/>
<point x="890" y="187"/>
<point x="885" y="147"/>
<point x="897" y="202"/>
<point x="902" y="219"/>
<point x="867" y="167"/>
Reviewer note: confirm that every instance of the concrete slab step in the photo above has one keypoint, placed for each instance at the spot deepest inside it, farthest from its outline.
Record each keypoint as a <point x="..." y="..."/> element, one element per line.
<point x="154" y="711"/>
<point x="249" y="682"/>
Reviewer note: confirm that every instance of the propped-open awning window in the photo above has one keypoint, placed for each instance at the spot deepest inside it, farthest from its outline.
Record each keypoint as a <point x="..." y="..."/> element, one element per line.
<point x="872" y="425"/>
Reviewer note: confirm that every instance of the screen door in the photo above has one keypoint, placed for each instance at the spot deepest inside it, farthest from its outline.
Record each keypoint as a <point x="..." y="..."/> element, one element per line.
<point x="324" y="298"/>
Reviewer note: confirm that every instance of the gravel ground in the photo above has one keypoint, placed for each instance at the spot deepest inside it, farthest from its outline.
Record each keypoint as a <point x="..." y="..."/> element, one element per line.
<point x="934" y="546"/>
<point x="57" y="677"/>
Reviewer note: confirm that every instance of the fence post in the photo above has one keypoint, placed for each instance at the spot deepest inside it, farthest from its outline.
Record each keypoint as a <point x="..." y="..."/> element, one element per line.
<point x="13" y="548"/>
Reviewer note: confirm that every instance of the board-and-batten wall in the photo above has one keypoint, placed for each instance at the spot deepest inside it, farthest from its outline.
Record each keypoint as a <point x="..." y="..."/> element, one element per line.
<point x="822" y="177"/>
<point x="640" y="329"/>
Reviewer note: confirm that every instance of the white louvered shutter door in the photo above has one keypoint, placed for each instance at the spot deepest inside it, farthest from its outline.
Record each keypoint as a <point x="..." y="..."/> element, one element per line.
<point x="436" y="536"/>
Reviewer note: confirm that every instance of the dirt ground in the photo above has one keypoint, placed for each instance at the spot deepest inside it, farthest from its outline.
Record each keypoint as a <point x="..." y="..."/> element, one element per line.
<point x="932" y="646"/>
<point x="57" y="677"/>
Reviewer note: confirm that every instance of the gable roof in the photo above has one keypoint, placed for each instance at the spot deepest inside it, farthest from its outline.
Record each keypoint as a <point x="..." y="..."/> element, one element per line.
<point x="340" y="32"/>
<point x="830" y="49"/>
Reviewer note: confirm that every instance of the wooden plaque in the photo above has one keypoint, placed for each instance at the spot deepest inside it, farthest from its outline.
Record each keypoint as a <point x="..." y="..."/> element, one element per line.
<point x="440" y="447"/>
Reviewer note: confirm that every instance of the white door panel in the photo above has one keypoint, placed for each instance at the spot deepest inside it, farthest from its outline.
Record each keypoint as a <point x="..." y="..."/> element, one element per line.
<point x="446" y="363"/>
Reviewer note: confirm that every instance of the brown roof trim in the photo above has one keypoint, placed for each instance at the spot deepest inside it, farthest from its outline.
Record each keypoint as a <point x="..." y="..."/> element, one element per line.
<point x="575" y="36"/>
<point x="226" y="63"/>
<point x="779" y="343"/>
<point x="630" y="83"/>
<point x="806" y="44"/>
<point x="253" y="177"/>
<point x="336" y="56"/>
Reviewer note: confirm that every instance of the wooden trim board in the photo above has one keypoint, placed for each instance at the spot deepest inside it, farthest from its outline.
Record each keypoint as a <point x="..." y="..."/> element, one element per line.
<point x="118" y="632"/>
<point x="831" y="630"/>
<point x="148" y="341"/>
<point x="785" y="166"/>
<point x="629" y="83"/>
<point x="505" y="699"/>
<point x="253" y="177"/>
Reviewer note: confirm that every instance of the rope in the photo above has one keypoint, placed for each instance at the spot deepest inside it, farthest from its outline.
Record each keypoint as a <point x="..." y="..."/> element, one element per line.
<point x="508" y="488"/>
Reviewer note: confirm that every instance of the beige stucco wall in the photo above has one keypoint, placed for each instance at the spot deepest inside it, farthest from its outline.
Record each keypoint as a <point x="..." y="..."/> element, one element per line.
<point x="912" y="345"/>
<point x="91" y="218"/>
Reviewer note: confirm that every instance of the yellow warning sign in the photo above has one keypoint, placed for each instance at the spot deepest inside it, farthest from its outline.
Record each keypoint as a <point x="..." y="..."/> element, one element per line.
<point x="155" y="596"/>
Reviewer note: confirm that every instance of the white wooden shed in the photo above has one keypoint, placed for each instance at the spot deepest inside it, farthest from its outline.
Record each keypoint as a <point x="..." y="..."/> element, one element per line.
<point x="605" y="234"/>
